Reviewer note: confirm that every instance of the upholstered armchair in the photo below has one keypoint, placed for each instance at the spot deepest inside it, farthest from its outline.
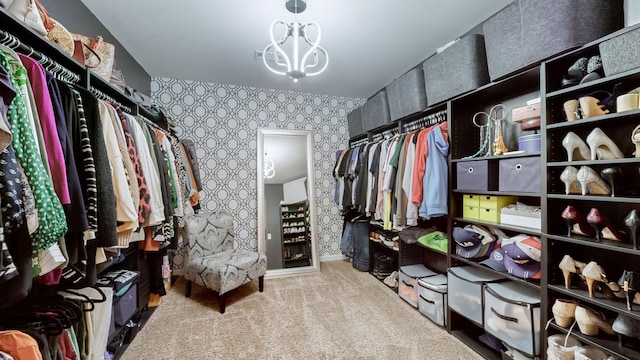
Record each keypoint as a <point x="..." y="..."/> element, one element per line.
<point x="211" y="260"/>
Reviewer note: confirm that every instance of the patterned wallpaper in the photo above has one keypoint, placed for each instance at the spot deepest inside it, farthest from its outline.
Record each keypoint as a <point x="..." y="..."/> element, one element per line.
<point x="222" y="120"/>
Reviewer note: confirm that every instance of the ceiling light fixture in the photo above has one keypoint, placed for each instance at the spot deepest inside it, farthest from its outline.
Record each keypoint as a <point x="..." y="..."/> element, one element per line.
<point x="312" y="62"/>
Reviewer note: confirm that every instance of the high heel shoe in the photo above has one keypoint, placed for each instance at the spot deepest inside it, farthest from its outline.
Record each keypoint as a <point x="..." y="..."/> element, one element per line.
<point x="564" y="311"/>
<point x="591" y="183"/>
<point x="589" y="107"/>
<point x="591" y="322"/>
<point x="570" y="267"/>
<point x="576" y="148"/>
<point x="603" y="226"/>
<point x="635" y="139"/>
<point x="629" y="101"/>
<point x="610" y="101"/>
<point x="632" y="221"/>
<point x="576" y="72"/>
<point x="611" y="174"/>
<point x="594" y="275"/>
<point x="576" y="223"/>
<point x="630" y="283"/>
<point x="572" y="110"/>
<point x="602" y="147"/>
<point x="626" y="327"/>
<point x="569" y="177"/>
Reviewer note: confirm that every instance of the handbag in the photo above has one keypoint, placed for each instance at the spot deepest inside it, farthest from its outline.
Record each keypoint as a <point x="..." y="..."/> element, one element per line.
<point x="27" y="11"/>
<point x="56" y="33"/>
<point x="95" y="53"/>
<point x="117" y="79"/>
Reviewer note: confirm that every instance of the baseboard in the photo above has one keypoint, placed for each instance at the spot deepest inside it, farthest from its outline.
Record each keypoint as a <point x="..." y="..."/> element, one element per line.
<point x="333" y="258"/>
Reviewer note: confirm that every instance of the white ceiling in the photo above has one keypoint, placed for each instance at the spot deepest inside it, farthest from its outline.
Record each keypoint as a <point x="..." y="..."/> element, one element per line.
<point x="369" y="42"/>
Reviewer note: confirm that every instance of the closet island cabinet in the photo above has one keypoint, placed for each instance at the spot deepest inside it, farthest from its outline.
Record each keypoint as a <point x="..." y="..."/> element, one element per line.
<point x="485" y="176"/>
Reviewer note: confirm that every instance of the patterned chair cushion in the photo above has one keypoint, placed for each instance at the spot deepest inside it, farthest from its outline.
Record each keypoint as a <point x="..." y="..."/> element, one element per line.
<point x="208" y="257"/>
<point x="227" y="270"/>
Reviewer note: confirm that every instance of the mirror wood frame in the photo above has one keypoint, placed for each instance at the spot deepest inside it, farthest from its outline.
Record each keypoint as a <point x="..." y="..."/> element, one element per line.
<point x="311" y="194"/>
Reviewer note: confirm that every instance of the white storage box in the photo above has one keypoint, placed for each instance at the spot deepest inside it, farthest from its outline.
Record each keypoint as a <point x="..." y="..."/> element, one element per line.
<point x="512" y="314"/>
<point x="432" y="298"/>
<point x="408" y="282"/>
<point x="465" y="290"/>
<point x="510" y="216"/>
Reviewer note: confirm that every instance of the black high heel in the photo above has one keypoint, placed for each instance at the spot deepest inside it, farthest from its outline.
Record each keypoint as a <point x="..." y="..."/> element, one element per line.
<point x="611" y="174"/>
<point x="630" y="284"/>
<point x="632" y="221"/>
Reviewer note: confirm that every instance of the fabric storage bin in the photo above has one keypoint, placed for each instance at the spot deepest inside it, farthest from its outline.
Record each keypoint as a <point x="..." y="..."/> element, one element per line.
<point x="408" y="282"/>
<point x="477" y="175"/>
<point x="406" y="94"/>
<point x="125" y="306"/>
<point x="620" y="53"/>
<point x="520" y="174"/>
<point x="457" y="69"/>
<point x="376" y="111"/>
<point x="432" y="298"/>
<point x="355" y="122"/>
<point x="466" y="296"/>
<point x="512" y="314"/>
<point x="526" y="32"/>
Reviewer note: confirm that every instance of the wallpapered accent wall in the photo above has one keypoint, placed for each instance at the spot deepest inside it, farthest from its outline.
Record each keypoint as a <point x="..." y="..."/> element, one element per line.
<point x="222" y="120"/>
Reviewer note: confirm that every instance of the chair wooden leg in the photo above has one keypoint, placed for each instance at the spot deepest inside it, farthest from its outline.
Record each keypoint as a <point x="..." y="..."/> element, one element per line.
<point x="188" y="294"/>
<point x="261" y="283"/>
<point x="222" y="301"/>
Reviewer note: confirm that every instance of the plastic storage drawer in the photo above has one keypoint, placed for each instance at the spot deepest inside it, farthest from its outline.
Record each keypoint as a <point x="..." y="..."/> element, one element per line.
<point x="432" y="298"/>
<point x="408" y="282"/>
<point x="465" y="287"/>
<point x="512" y="314"/>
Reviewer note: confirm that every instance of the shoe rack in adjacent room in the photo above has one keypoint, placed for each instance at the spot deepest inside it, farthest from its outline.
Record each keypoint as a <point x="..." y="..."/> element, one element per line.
<point x="590" y="237"/>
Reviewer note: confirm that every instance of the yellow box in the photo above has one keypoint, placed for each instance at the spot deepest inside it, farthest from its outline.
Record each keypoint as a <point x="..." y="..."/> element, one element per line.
<point x="471" y="200"/>
<point x="496" y="202"/>
<point x="490" y="215"/>
<point x="470" y="212"/>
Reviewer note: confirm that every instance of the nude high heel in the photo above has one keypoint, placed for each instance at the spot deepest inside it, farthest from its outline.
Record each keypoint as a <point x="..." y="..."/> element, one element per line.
<point x="635" y="139"/>
<point x="591" y="322"/>
<point x="592" y="183"/>
<point x="564" y="311"/>
<point x="571" y="110"/>
<point x="570" y="179"/>
<point x="576" y="148"/>
<point x="589" y="107"/>
<point x="570" y="267"/>
<point x="602" y="147"/>
<point x="593" y="273"/>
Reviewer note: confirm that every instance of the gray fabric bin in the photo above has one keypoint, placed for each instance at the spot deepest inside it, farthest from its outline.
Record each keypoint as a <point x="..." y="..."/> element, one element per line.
<point x="376" y="111"/>
<point x="526" y="32"/>
<point x="406" y="94"/>
<point x="621" y="53"/>
<point x="520" y="174"/>
<point x="459" y="68"/>
<point x="355" y="122"/>
<point x="479" y="175"/>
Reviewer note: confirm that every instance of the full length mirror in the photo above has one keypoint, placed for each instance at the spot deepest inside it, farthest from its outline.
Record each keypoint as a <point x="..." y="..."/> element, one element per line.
<point x="287" y="230"/>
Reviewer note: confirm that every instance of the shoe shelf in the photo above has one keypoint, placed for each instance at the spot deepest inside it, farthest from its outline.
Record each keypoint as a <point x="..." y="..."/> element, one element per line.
<point x="618" y="306"/>
<point x="595" y="199"/>
<point x="608" y="343"/>
<point x="583" y="89"/>
<point x="603" y="244"/>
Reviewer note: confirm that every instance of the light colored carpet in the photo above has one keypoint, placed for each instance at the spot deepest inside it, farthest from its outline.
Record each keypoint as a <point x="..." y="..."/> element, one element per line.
<point x="339" y="313"/>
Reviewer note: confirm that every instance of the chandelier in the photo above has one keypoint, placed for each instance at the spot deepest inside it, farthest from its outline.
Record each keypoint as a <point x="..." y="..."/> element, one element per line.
<point x="307" y="57"/>
<point x="269" y="169"/>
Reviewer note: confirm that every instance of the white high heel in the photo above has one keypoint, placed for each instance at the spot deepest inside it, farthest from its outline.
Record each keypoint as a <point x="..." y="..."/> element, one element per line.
<point x="571" y="143"/>
<point x="602" y="147"/>
<point x="591" y="182"/>
<point x="570" y="179"/>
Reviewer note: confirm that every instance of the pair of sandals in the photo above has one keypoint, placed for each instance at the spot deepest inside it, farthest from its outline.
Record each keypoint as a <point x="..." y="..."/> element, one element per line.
<point x="584" y="70"/>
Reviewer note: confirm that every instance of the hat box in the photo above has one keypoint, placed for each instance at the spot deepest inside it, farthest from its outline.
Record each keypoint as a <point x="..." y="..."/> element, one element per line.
<point x="530" y="143"/>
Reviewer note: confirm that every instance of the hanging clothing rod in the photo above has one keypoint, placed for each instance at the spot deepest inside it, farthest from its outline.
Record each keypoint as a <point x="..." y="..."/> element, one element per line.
<point x="101" y="95"/>
<point x="61" y="72"/>
<point x="358" y="142"/>
<point x="431" y="119"/>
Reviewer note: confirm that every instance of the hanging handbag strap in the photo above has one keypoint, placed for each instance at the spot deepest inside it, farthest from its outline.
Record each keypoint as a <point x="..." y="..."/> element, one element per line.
<point x="44" y="14"/>
<point x="78" y="53"/>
